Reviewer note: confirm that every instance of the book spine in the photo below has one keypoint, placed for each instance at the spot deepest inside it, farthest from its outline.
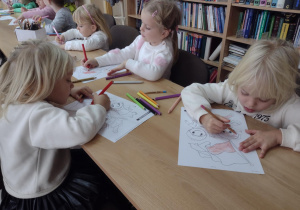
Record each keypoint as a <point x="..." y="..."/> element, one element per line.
<point x="288" y="4"/>
<point x="296" y="4"/>
<point x="296" y="29"/>
<point x="280" y="3"/>
<point x="256" y="2"/>
<point x="240" y="21"/>
<point x="291" y="32"/>
<point x="276" y="26"/>
<point x="262" y="3"/>
<point x="274" y="3"/>
<point x="262" y="24"/>
<point x="247" y="30"/>
<point x="257" y="25"/>
<point x="271" y="26"/>
<point x="279" y="28"/>
<point x="269" y="2"/>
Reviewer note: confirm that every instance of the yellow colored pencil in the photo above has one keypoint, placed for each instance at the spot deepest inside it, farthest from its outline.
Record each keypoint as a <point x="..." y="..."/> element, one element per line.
<point x="146" y="99"/>
<point x="149" y="98"/>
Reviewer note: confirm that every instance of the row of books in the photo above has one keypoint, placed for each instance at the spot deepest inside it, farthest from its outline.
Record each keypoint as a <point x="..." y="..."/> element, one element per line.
<point x="285" y="4"/>
<point x="235" y="55"/>
<point x="259" y="24"/>
<point x="205" y="47"/>
<point x="202" y="16"/>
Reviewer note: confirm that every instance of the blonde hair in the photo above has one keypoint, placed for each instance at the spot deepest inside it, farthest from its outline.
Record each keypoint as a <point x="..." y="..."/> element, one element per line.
<point x="81" y="16"/>
<point x="270" y="68"/>
<point x="31" y="71"/>
<point x="167" y="15"/>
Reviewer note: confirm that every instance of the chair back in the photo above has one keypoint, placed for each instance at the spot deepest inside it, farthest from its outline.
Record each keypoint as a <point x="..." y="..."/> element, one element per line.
<point x="189" y="69"/>
<point x="3" y="58"/>
<point x="122" y="36"/>
<point x="110" y="20"/>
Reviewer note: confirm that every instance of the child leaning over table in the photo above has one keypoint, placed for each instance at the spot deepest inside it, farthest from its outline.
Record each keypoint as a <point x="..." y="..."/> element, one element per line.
<point x="38" y="168"/>
<point x="152" y="53"/>
<point x="23" y="6"/>
<point x="261" y="86"/>
<point x="91" y="31"/>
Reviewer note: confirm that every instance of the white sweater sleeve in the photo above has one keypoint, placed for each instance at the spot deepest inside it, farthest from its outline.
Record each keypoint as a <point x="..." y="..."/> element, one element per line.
<point x="52" y="127"/>
<point x="195" y="95"/>
<point x="117" y="56"/>
<point x="97" y="40"/>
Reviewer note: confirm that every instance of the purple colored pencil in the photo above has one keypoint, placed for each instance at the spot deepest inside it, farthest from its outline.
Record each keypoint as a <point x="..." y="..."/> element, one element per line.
<point x="119" y="75"/>
<point x="150" y="106"/>
<point x="165" y="97"/>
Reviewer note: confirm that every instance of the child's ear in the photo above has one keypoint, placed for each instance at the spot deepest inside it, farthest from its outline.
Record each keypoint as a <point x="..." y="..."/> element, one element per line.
<point x="166" y="33"/>
<point x="94" y="28"/>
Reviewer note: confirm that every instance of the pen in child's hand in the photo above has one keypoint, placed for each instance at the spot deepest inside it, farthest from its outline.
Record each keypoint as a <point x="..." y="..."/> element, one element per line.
<point x="56" y="33"/>
<point x="104" y="89"/>
<point x="214" y="116"/>
<point x="85" y="57"/>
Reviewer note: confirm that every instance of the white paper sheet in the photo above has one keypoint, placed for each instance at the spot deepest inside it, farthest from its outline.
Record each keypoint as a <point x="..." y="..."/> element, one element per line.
<point x="198" y="148"/>
<point x="6" y="17"/>
<point x="12" y="22"/>
<point x="99" y="72"/>
<point x="123" y="116"/>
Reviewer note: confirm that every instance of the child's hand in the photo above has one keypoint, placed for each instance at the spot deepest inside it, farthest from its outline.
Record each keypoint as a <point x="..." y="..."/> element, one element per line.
<point x="61" y="40"/>
<point x="36" y="18"/>
<point x="23" y="9"/>
<point x="213" y="125"/>
<point x="78" y="92"/>
<point x="20" y="18"/>
<point x="261" y="139"/>
<point x="91" y="63"/>
<point x="102" y="100"/>
<point x="118" y="68"/>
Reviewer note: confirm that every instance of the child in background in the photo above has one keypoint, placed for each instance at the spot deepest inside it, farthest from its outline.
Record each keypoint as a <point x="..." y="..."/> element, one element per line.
<point x="37" y="168"/>
<point x="42" y="11"/>
<point x="91" y="31"/>
<point x="152" y="53"/>
<point x="261" y="86"/>
<point x="23" y="6"/>
<point x="63" y="18"/>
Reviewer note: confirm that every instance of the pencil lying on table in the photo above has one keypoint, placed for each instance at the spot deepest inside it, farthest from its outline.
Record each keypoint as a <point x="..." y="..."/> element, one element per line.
<point x="214" y="116"/>
<point x="86" y="79"/>
<point x="174" y="105"/>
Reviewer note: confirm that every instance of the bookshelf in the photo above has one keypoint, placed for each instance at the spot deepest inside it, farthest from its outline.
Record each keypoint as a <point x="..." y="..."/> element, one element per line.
<point x="229" y="33"/>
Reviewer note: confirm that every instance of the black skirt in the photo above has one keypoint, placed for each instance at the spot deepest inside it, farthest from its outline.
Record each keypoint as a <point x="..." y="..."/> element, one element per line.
<point x="85" y="188"/>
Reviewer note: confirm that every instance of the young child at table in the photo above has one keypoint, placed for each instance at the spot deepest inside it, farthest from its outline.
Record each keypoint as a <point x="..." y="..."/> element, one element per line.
<point x="23" y="6"/>
<point x="152" y="53"/>
<point x="91" y="31"/>
<point x="42" y="11"/>
<point x="63" y="20"/>
<point x="37" y="168"/>
<point x="262" y="86"/>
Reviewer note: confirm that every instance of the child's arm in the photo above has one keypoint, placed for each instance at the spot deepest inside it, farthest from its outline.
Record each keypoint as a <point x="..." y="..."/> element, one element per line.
<point x="46" y="11"/>
<point x="30" y="5"/>
<point x="17" y="7"/>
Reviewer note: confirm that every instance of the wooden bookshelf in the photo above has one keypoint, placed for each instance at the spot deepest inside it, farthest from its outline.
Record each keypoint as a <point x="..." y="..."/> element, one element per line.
<point x="229" y="34"/>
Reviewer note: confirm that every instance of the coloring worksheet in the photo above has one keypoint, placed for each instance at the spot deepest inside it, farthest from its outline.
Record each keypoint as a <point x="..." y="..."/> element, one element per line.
<point x="198" y="148"/>
<point x="123" y="116"/>
<point x="99" y="72"/>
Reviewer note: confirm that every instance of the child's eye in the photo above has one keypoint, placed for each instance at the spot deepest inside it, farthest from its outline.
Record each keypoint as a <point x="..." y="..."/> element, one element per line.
<point x="264" y="100"/>
<point x="244" y="93"/>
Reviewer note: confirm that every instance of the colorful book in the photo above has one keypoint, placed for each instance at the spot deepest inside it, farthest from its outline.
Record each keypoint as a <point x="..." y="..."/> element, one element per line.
<point x="279" y="27"/>
<point x="263" y="22"/>
<point x="291" y="32"/>
<point x="269" y="2"/>
<point x="276" y="26"/>
<point x="256" y="2"/>
<point x="207" y="47"/>
<point x="296" y="4"/>
<point x="203" y="46"/>
<point x="249" y="21"/>
<point x="262" y="3"/>
<point x="271" y="26"/>
<point x="274" y="3"/>
<point x="280" y="3"/>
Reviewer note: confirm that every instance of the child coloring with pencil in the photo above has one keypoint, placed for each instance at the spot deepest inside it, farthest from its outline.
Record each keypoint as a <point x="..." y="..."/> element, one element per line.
<point x="37" y="168"/>
<point x="152" y="53"/>
<point x="262" y="86"/>
<point x="23" y="6"/>
<point x="42" y="10"/>
<point x="63" y="20"/>
<point x="91" y="31"/>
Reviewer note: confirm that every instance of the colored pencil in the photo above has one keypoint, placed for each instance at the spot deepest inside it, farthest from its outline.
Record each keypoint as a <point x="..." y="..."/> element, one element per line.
<point x="174" y="105"/>
<point x="146" y="106"/>
<point x="86" y="79"/>
<point x="118" y="75"/>
<point x="152" y="92"/>
<point x="56" y="32"/>
<point x="104" y="89"/>
<point x="84" y="53"/>
<point x="150" y="99"/>
<point x="151" y="107"/>
<point x="214" y="116"/>
<point x="128" y="82"/>
<point x="135" y="101"/>
<point x="165" y="97"/>
<point x="146" y="99"/>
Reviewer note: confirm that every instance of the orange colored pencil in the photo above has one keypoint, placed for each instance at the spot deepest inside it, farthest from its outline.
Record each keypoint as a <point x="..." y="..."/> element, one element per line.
<point x="174" y="105"/>
<point x="150" y="99"/>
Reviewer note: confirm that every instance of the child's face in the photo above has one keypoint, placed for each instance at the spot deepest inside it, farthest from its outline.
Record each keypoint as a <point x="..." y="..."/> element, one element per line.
<point x="61" y="90"/>
<point x="150" y="30"/>
<point x="251" y="102"/>
<point x="86" y="29"/>
<point x="41" y="3"/>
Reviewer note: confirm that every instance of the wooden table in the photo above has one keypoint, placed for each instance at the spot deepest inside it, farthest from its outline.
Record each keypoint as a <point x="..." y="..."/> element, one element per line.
<point x="143" y="164"/>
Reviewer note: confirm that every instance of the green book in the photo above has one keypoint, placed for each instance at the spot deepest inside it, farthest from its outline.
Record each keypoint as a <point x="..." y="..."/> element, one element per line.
<point x="240" y="21"/>
<point x="279" y="27"/>
<point x="203" y="46"/>
<point x="204" y="17"/>
<point x="256" y="2"/>
<point x="263" y="24"/>
<point x="271" y="26"/>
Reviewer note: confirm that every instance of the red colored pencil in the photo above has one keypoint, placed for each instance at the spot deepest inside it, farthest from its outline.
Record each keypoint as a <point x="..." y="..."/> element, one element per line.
<point x="84" y="52"/>
<point x="104" y="89"/>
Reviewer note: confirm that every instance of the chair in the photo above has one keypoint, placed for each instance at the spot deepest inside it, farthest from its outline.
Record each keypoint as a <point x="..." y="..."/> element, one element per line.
<point x="122" y="36"/>
<point x="110" y="20"/>
<point x="189" y="69"/>
<point x="3" y="58"/>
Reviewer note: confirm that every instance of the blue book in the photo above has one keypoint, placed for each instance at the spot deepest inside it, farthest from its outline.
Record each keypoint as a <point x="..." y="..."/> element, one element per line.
<point x="219" y="18"/>
<point x="257" y="24"/>
<point x="274" y="3"/>
<point x="249" y="21"/>
<point x="222" y="17"/>
<point x="199" y="46"/>
<point x="267" y="22"/>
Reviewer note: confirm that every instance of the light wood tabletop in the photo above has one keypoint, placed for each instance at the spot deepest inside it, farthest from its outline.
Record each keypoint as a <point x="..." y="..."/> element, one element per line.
<point x="144" y="163"/>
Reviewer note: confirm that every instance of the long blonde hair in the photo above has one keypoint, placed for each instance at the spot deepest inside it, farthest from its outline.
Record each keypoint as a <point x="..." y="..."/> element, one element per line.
<point x="168" y="16"/>
<point x="31" y="71"/>
<point x="81" y="16"/>
<point x="270" y="68"/>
